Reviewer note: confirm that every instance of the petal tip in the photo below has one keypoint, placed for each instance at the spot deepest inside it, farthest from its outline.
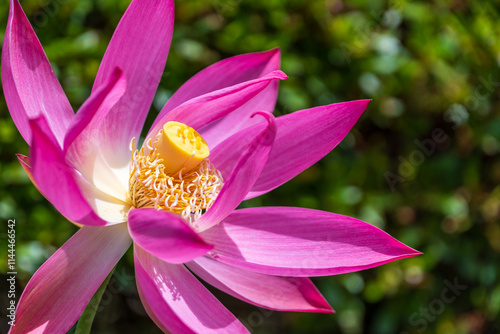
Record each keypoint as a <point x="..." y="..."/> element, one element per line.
<point x="278" y="74"/>
<point x="409" y="252"/>
<point x="324" y="307"/>
<point x="412" y="252"/>
<point x="281" y="75"/>
<point x="22" y="158"/>
<point x="329" y="310"/>
<point x="364" y="102"/>
<point x="275" y="51"/>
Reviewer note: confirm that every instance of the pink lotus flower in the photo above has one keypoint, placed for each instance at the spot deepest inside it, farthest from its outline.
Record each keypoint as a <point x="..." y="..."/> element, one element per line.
<point x="167" y="199"/>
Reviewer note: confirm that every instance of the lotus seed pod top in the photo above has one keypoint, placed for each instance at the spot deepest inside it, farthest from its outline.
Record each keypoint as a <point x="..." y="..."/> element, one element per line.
<point x="181" y="147"/>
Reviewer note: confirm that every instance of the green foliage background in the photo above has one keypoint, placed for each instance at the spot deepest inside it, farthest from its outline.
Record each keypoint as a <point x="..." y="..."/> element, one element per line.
<point x="428" y="66"/>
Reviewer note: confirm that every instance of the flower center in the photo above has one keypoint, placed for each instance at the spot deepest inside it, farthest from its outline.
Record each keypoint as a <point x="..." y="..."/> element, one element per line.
<point x="173" y="173"/>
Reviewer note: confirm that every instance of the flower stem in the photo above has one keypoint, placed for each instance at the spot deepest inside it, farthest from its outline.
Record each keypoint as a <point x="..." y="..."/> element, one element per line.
<point x="87" y="318"/>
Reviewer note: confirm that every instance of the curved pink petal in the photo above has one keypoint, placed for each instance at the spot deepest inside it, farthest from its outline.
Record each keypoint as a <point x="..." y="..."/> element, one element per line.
<point x="56" y="180"/>
<point x="31" y="89"/>
<point x="82" y="147"/>
<point x="165" y="235"/>
<point x="226" y="73"/>
<point x="140" y="48"/>
<point x="301" y="242"/>
<point x="26" y="164"/>
<point x="176" y="301"/>
<point x="239" y="180"/>
<point x="94" y="110"/>
<point x="241" y="118"/>
<point x="303" y="138"/>
<point x="202" y="110"/>
<point x="274" y="292"/>
<point x="60" y="290"/>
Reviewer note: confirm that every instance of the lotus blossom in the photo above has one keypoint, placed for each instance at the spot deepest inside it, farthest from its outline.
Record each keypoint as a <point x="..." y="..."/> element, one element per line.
<point x="214" y="144"/>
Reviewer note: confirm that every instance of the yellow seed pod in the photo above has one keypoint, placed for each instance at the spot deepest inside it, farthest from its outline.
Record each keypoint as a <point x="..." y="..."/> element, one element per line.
<point x="181" y="148"/>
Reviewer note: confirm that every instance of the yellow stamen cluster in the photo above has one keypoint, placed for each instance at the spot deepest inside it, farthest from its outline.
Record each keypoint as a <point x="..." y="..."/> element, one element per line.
<point x="173" y="174"/>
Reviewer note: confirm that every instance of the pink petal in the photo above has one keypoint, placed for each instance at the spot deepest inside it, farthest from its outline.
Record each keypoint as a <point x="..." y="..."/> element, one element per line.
<point x="301" y="242"/>
<point x="56" y="180"/>
<point x="242" y="176"/>
<point x="107" y="207"/>
<point x="82" y="147"/>
<point x="165" y="235"/>
<point x="57" y="294"/>
<point x="278" y="293"/>
<point x="94" y="110"/>
<point x="140" y="48"/>
<point x="31" y="89"/>
<point x="303" y="138"/>
<point x="203" y="110"/>
<point x="177" y="301"/>
<point x="26" y="164"/>
<point x="226" y="73"/>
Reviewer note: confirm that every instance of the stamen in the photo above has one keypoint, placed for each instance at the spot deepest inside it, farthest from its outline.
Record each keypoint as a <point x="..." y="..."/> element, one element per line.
<point x="173" y="173"/>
